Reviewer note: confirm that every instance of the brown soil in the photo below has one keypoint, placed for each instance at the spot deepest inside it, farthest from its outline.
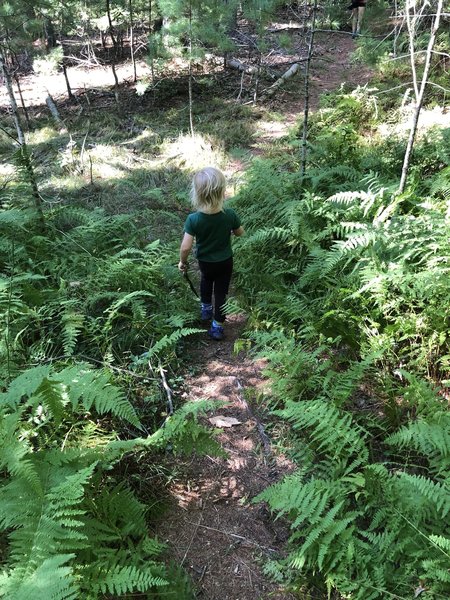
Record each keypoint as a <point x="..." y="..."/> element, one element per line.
<point x="212" y="527"/>
<point x="331" y="68"/>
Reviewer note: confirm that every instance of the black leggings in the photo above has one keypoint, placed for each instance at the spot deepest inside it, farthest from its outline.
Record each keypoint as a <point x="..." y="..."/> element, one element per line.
<point x="216" y="277"/>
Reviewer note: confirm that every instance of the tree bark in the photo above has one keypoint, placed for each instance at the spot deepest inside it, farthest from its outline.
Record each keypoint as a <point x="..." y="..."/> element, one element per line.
<point x="191" y="117"/>
<point x="12" y="100"/>
<point x="306" y="111"/>
<point x="233" y="63"/>
<point x="115" y="53"/>
<point x="69" y="89"/>
<point x="152" y="65"/>
<point x="22" y="102"/>
<point x="293" y="70"/>
<point x="419" y="101"/>
<point x="111" y="28"/>
<point x="133" y="58"/>
<point x="24" y="160"/>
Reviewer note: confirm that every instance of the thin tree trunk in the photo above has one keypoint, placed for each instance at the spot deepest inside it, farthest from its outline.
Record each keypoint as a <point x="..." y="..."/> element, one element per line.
<point x="115" y="53"/>
<point x="69" y="89"/>
<point x="111" y="28"/>
<point x="25" y="162"/>
<point x="133" y="59"/>
<point x="22" y="102"/>
<point x="55" y="112"/>
<point x="306" y="111"/>
<point x="411" y="31"/>
<point x="152" y="66"/>
<point x="12" y="100"/>
<point x="419" y="102"/>
<point x="191" y="118"/>
<point x="258" y="72"/>
<point x="116" y="84"/>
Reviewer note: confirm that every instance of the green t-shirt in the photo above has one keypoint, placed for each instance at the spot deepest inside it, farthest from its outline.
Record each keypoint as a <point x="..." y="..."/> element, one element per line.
<point x="212" y="234"/>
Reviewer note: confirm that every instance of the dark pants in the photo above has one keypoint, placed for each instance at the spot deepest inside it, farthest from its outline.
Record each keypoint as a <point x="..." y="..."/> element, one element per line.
<point x="216" y="277"/>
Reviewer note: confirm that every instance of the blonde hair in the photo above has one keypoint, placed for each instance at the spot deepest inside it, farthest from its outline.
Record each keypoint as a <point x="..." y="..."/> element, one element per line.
<point x="208" y="190"/>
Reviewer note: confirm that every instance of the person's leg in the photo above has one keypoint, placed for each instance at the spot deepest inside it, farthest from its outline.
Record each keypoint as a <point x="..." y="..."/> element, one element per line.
<point x="354" y="21"/>
<point x="360" y="18"/>
<point x="206" y="289"/>
<point x="222" y="280"/>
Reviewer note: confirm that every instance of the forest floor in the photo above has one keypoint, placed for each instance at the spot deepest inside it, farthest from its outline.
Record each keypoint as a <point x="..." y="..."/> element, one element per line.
<point x="212" y="527"/>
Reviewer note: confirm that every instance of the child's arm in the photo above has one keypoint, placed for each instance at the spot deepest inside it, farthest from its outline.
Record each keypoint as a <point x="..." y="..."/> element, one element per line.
<point x="185" y="248"/>
<point x="239" y="231"/>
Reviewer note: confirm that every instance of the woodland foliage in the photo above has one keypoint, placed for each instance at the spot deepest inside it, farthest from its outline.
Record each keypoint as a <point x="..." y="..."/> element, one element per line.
<point x="347" y="286"/>
<point x="345" y="282"/>
<point x="89" y="290"/>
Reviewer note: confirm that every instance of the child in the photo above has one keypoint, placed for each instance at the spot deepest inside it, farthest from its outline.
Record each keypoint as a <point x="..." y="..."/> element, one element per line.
<point x="211" y="226"/>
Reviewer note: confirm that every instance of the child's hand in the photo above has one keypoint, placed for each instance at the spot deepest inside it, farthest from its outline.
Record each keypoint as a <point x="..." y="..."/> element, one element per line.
<point x="183" y="267"/>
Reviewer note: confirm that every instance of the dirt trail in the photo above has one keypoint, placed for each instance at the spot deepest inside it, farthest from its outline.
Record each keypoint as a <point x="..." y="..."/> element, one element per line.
<point x="212" y="527"/>
<point x="332" y="67"/>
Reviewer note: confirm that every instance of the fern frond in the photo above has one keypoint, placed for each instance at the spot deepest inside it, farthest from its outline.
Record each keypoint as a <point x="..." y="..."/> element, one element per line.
<point x="430" y="438"/>
<point x="438" y="494"/>
<point x="125" y="579"/>
<point x="169" y="341"/>
<point x="332" y="431"/>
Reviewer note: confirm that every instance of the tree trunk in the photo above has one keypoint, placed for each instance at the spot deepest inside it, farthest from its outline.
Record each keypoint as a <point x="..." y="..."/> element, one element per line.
<point x="12" y="100"/>
<point x="191" y="118"/>
<point x="306" y="111"/>
<point x="111" y="28"/>
<point x="233" y="63"/>
<point x="115" y="53"/>
<point x="24" y="157"/>
<point x="22" y="102"/>
<point x="419" y="102"/>
<point x="293" y="70"/>
<point x="116" y="84"/>
<point x="152" y="66"/>
<point x="69" y="89"/>
<point x="133" y="59"/>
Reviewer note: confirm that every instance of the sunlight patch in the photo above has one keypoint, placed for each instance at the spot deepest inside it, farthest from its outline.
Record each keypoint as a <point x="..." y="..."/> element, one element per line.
<point x="193" y="152"/>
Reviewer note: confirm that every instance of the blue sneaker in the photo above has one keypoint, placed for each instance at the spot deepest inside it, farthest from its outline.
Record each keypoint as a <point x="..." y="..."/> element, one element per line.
<point x="215" y="332"/>
<point x="206" y="312"/>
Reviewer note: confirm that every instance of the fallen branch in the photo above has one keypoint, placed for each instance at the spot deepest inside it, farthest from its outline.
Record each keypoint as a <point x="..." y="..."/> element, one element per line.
<point x="286" y="28"/>
<point x="55" y="113"/>
<point x="167" y="390"/>
<point x="233" y="63"/>
<point x="293" y="70"/>
<point x="234" y="535"/>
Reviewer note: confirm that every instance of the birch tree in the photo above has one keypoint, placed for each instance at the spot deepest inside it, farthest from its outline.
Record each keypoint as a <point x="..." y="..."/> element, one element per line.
<point x="419" y="91"/>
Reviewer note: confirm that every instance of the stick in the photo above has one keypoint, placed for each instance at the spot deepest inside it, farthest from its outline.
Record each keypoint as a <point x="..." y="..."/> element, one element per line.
<point x="190" y="544"/>
<point x="167" y="390"/>
<point x="235" y="535"/>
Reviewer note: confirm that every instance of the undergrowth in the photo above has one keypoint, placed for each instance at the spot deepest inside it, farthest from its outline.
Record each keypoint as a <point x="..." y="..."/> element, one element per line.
<point x="346" y="283"/>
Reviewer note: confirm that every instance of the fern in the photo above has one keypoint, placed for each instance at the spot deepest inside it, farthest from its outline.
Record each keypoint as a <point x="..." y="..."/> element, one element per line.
<point x="431" y="439"/>
<point x="331" y="431"/>
<point x="168" y="342"/>
<point x="121" y="580"/>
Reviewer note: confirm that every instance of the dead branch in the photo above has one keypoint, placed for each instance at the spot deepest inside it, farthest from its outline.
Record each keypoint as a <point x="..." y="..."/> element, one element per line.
<point x="293" y="70"/>
<point x="167" y="390"/>
<point x="286" y="28"/>
<point x="54" y="111"/>
<point x="233" y="63"/>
